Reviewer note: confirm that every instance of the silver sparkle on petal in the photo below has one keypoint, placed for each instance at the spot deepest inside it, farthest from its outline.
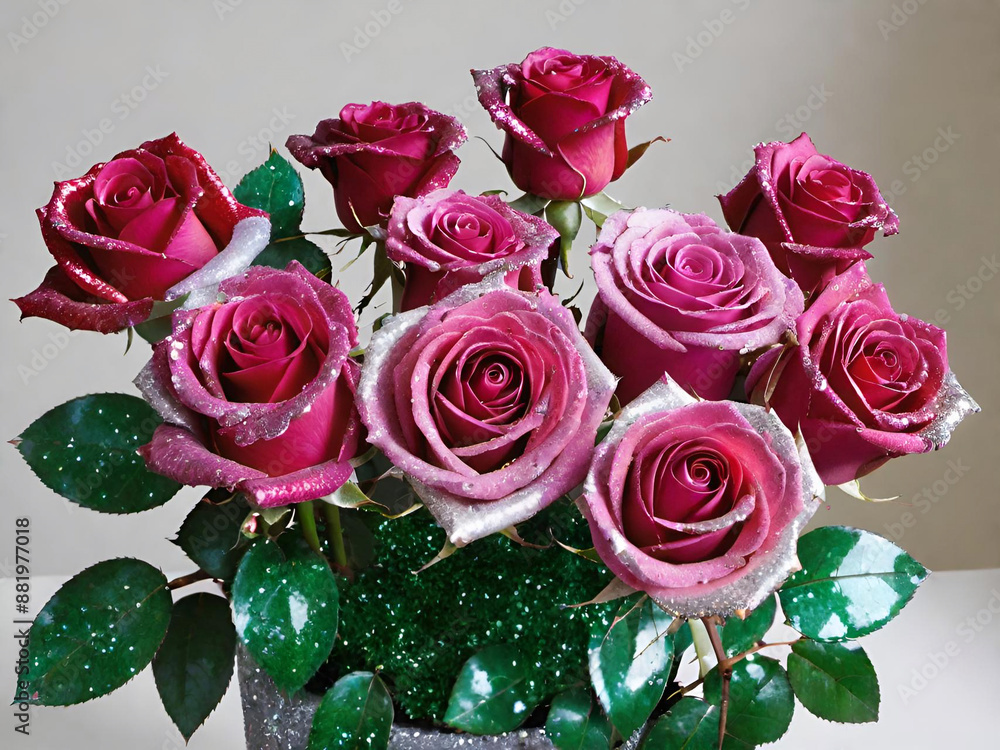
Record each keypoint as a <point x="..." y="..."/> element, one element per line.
<point x="953" y="404"/>
<point x="250" y="237"/>
<point x="272" y="721"/>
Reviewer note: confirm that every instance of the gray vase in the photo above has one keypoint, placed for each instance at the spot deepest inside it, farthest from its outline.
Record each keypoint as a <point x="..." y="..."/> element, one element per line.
<point x="273" y="721"/>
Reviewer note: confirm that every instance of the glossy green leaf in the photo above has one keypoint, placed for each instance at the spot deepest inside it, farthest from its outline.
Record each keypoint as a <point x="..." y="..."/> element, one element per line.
<point x="835" y="681"/>
<point x="740" y="635"/>
<point x="691" y="724"/>
<point x="852" y="583"/>
<point x="529" y="204"/>
<point x="275" y="187"/>
<point x="97" y="632"/>
<point x="195" y="663"/>
<point x="210" y="536"/>
<point x="355" y="713"/>
<point x="760" y="702"/>
<point x="575" y="722"/>
<point x="630" y="662"/>
<point x="285" y="604"/>
<point x="306" y="252"/>
<point x="158" y="326"/>
<point x="492" y="693"/>
<point x="565" y="216"/>
<point x="85" y="450"/>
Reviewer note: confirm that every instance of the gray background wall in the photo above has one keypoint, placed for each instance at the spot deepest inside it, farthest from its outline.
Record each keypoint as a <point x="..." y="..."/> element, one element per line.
<point x="874" y="83"/>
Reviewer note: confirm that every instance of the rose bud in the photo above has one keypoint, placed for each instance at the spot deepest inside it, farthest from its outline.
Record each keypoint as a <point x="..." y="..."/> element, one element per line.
<point x="699" y="504"/>
<point x="257" y="391"/>
<point x="863" y="384"/>
<point x="564" y="116"/>
<point x="374" y="152"/>
<point x="677" y="295"/>
<point x="152" y="224"/>
<point x="489" y="402"/>
<point x="448" y="239"/>
<point x="814" y="214"/>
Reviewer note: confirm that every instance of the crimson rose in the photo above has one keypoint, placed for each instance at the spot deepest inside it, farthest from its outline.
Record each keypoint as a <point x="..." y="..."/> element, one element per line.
<point x="153" y="223"/>
<point x="257" y="391"/>
<point x="564" y="116"/>
<point x="374" y="152"/>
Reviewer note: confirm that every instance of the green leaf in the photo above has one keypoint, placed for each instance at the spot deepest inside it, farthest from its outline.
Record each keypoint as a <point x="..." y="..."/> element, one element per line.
<point x="835" y="681"/>
<point x="630" y="662"/>
<point x="491" y="694"/>
<point x="97" y="632"/>
<point x="384" y="269"/>
<point x="355" y="713"/>
<point x="636" y="152"/>
<point x="760" y="702"/>
<point x="85" y="450"/>
<point x="565" y="216"/>
<point x="599" y="207"/>
<point x="157" y="326"/>
<point x="691" y="724"/>
<point x="211" y="537"/>
<point x="852" y="583"/>
<point x="195" y="663"/>
<point x="529" y="204"/>
<point x="275" y="187"/>
<point x="575" y="722"/>
<point x="740" y="635"/>
<point x="285" y="604"/>
<point x="306" y="252"/>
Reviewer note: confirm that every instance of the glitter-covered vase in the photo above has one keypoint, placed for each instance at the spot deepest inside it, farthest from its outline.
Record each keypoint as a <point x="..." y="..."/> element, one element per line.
<point x="273" y="721"/>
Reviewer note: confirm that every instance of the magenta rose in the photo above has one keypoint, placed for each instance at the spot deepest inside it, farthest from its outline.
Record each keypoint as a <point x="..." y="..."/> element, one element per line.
<point x="448" y="239"/>
<point x="152" y="224"/>
<point x="257" y="391"/>
<point x="863" y="384"/>
<point x="488" y="402"/>
<point x="699" y="504"/>
<point x="564" y="116"/>
<point x="814" y="214"/>
<point x="677" y="295"/>
<point x="374" y="152"/>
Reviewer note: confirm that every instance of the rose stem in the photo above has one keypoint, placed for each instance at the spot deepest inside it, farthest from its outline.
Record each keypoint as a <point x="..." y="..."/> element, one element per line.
<point x="335" y="533"/>
<point x="725" y="672"/>
<point x="198" y="575"/>
<point x="307" y="520"/>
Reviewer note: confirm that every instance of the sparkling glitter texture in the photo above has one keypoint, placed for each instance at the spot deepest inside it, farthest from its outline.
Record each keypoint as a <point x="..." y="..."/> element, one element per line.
<point x="420" y="629"/>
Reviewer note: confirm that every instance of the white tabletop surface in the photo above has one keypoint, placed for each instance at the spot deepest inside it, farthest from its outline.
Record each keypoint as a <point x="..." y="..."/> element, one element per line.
<point x="954" y="705"/>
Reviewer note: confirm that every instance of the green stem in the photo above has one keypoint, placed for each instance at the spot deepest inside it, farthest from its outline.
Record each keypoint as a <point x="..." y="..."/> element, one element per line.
<point x="335" y="533"/>
<point x="307" y="520"/>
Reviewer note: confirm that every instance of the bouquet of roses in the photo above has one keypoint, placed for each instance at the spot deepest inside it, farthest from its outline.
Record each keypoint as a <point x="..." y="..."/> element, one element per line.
<point x="600" y="501"/>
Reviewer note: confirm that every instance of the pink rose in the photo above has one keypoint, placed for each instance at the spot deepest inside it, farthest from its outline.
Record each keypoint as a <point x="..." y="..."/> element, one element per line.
<point x="377" y="151"/>
<point x="257" y="392"/>
<point x="488" y="402"/>
<point x="564" y="116"/>
<point x="152" y="224"/>
<point x="864" y="384"/>
<point x="677" y="295"/>
<point x="814" y="214"/>
<point x="699" y="504"/>
<point x="448" y="239"/>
